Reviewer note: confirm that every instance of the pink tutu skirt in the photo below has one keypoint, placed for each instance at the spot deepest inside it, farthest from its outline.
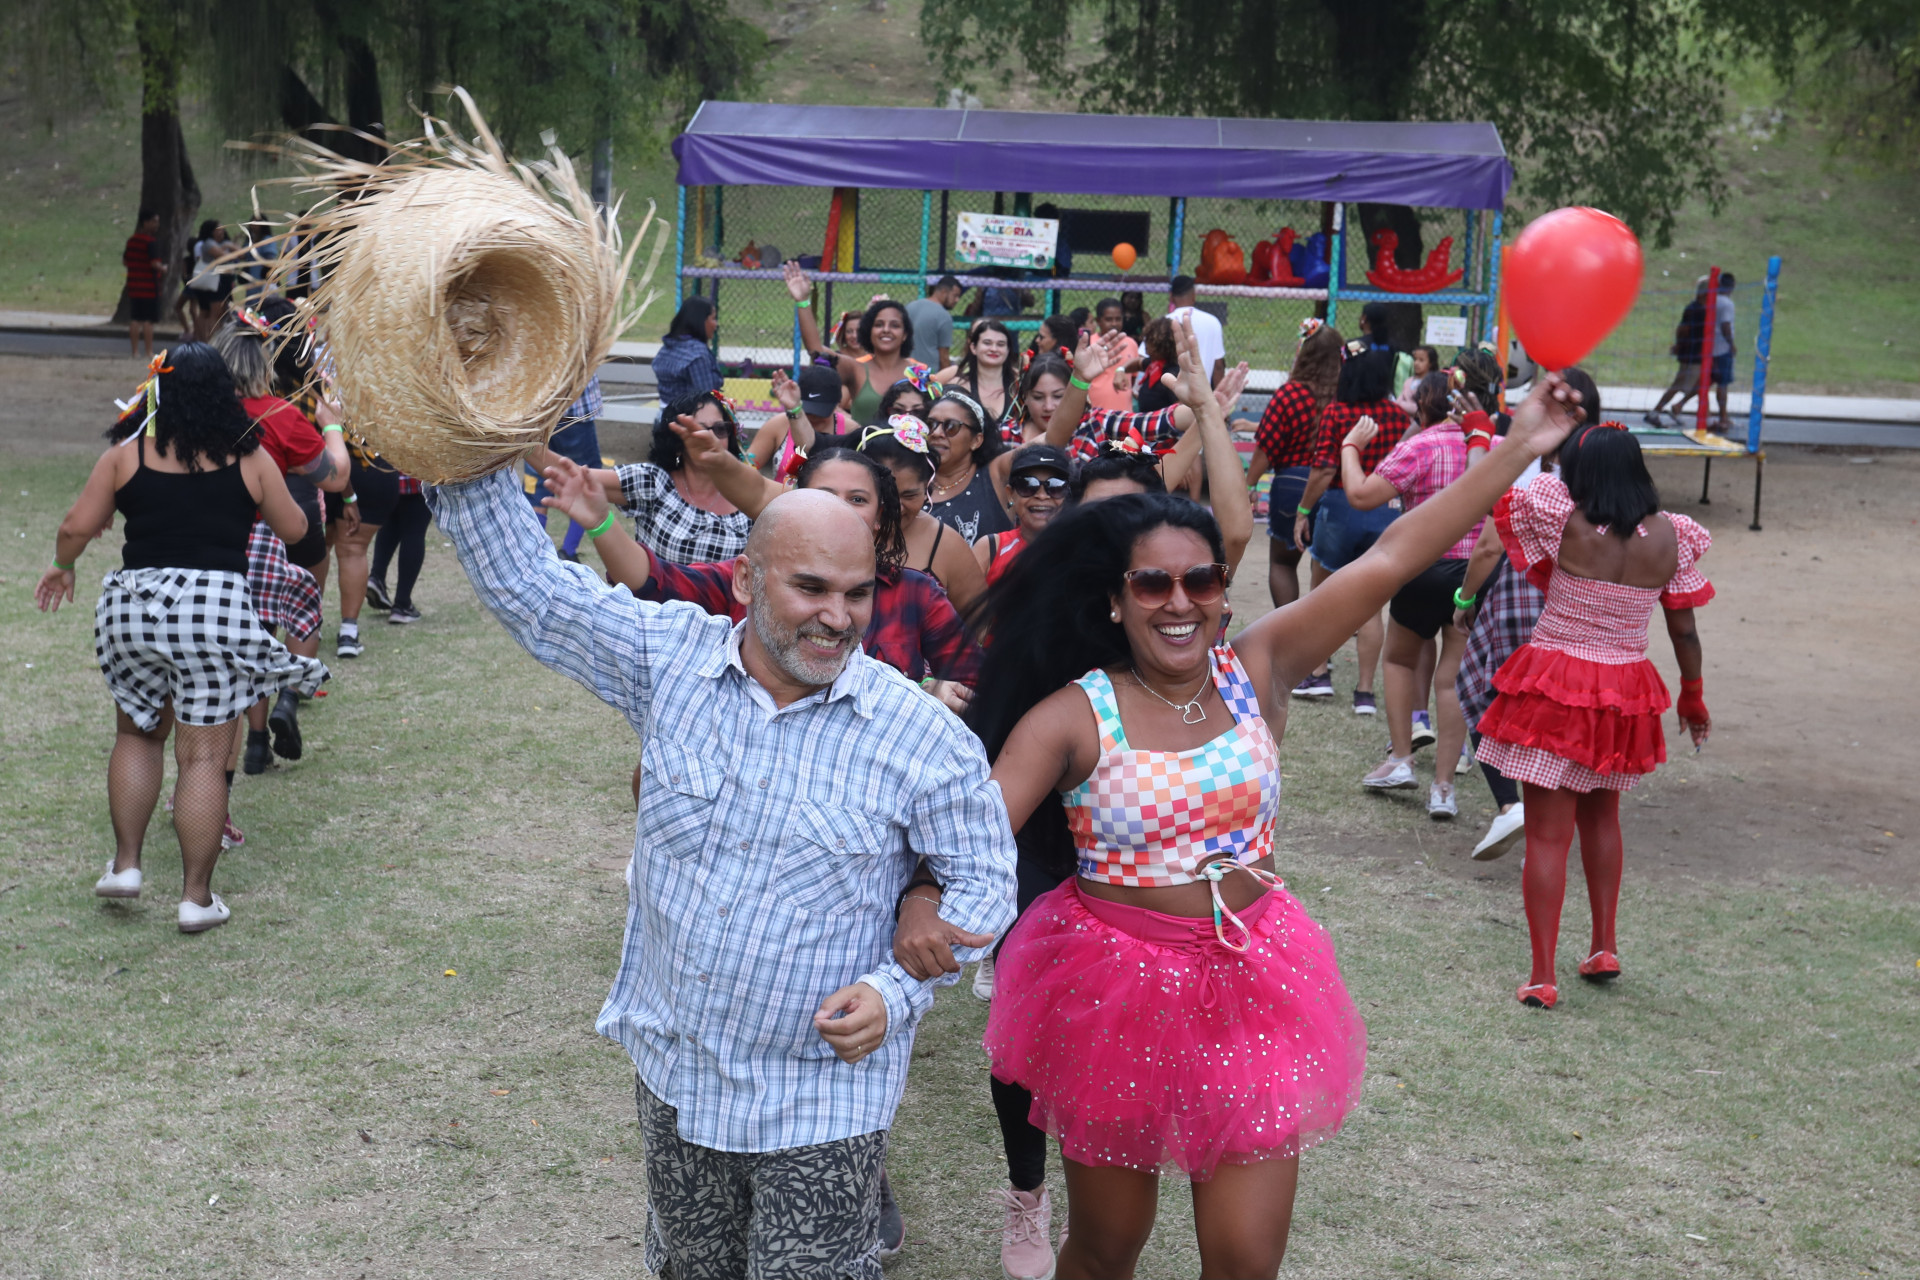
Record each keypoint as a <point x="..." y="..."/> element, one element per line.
<point x="1146" y="1043"/>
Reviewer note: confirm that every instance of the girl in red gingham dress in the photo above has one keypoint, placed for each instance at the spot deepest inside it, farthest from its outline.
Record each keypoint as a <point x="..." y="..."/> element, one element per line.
<point x="1577" y="716"/>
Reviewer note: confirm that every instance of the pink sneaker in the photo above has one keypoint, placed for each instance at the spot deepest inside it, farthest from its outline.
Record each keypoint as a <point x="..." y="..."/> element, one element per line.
<point x="1024" y="1251"/>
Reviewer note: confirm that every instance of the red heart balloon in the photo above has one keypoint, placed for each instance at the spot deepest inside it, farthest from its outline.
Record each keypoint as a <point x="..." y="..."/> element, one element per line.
<point x="1572" y="275"/>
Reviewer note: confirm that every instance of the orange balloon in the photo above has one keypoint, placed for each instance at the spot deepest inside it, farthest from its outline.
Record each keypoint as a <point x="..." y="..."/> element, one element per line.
<point x="1124" y="256"/>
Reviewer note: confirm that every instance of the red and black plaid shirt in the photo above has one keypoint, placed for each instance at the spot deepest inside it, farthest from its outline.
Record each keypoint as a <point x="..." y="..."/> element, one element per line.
<point x="138" y="259"/>
<point x="914" y="628"/>
<point x="1339" y="418"/>
<point x="1286" y="433"/>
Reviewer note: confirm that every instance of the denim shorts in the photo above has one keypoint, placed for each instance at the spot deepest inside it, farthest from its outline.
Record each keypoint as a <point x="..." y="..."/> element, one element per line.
<point x="1342" y="535"/>
<point x="1723" y="369"/>
<point x="1289" y="486"/>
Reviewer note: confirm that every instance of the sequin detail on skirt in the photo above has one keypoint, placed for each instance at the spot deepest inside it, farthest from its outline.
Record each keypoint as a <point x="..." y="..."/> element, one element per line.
<point x="1146" y="1043"/>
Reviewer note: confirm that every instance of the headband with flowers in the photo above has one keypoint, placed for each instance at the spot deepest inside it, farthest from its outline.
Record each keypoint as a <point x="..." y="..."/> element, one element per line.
<point x="253" y="320"/>
<point x="904" y="427"/>
<point x="1310" y="326"/>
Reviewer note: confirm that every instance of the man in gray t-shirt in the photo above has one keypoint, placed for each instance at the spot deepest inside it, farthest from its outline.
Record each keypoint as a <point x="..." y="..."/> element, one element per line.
<point x="932" y="320"/>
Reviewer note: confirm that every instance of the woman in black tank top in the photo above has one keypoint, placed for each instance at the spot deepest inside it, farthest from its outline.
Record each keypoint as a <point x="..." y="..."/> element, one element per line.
<point x="175" y="630"/>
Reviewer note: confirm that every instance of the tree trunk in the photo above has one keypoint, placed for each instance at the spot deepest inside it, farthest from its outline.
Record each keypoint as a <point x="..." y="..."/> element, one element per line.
<point x="1403" y="318"/>
<point x="167" y="184"/>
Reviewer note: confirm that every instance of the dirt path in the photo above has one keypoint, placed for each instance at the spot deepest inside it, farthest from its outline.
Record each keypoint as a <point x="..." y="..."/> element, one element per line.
<point x="1810" y="653"/>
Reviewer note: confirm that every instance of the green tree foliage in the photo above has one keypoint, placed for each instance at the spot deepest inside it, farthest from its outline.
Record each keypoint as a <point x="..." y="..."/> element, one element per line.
<point x="1607" y="102"/>
<point x="581" y="68"/>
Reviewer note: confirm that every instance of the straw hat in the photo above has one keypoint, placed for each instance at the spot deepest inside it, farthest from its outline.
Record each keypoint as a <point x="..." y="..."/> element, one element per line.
<point x="466" y="299"/>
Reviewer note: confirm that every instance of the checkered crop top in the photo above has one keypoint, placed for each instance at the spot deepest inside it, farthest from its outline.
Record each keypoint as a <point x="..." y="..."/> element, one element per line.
<point x="1148" y="819"/>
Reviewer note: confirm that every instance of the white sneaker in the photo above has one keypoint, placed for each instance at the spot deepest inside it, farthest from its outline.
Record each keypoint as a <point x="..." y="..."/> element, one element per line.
<point x="1466" y="761"/>
<point x="1024" y="1252"/>
<point x="1392" y="775"/>
<point x="983" y="977"/>
<point x="195" y="918"/>
<point x="1441" y="806"/>
<point x="118" y="884"/>
<point x="1507" y="828"/>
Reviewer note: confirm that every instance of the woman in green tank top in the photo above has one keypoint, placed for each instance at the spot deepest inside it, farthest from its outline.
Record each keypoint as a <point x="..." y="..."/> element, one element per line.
<point x="886" y="335"/>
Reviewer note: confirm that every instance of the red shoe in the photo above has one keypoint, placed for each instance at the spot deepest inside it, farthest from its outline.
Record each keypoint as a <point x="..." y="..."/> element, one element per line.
<point x="231" y="836"/>
<point x="1541" y="995"/>
<point x="1601" y="966"/>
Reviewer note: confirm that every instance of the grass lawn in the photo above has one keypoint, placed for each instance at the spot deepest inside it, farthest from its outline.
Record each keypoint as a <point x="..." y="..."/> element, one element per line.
<point x="308" y="1091"/>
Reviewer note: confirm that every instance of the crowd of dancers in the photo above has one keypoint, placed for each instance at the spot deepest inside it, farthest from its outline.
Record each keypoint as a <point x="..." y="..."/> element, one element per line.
<point x="937" y="667"/>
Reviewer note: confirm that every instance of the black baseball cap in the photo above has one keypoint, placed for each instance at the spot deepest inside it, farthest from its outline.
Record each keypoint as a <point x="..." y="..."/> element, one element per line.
<point x="819" y="391"/>
<point x="1041" y="457"/>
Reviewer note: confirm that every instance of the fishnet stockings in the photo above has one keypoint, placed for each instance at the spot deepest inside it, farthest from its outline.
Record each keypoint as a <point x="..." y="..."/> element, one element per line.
<point x="200" y="803"/>
<point x="133" y="784"/>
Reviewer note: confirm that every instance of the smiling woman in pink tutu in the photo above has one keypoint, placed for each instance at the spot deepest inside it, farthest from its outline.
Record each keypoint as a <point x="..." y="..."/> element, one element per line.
<point x="1173" y="1005"/>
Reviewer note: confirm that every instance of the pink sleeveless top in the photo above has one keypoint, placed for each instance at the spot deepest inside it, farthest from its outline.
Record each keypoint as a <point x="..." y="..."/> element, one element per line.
<point x="1148" y="819"/>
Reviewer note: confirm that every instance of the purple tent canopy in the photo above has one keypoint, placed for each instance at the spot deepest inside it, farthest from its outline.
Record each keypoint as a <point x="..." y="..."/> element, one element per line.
<point x="1439" y="165"/>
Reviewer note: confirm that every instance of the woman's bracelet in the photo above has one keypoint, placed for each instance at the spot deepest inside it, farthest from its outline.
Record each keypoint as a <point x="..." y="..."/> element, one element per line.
<point x="1303" y="511"/>
<point x="794" y="413"/>
<point x="1464" y="602"/>
<point x="352" y="497"/>
<point x="1078" y="384"/>
<point x="333" y="426"/>
<point x="1348" y="444"/>
<point x="64" y="568"/>
<point x="603" y="526"/>
<point x="923" y="897"/>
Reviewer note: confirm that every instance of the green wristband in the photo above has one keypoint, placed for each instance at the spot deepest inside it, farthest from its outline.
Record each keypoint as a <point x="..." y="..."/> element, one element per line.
<point x="1303" y="511"/>
<point x="1075" y="382"/>
<point x="1464" y="602"/>
<point x="65" y="568"/>
<point x="603" y="526"/>
<point x="333" y="426"/>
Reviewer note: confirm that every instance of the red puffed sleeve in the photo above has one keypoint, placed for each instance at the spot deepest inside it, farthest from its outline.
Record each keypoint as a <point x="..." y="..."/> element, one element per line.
<point x="1530" y="523"/>
<point x="1689" y="588"/>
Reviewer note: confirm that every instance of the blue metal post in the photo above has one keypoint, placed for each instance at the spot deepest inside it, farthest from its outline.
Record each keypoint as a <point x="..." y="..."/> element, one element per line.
<point x="679" y="249"/>
<point x="926" y="234"/>
<point x="797" y="353"/>
<point x="1763" y="349"/>
<point x="1493" y="288"/>
<point x="1336" y="265"/>
<point x="1176" y="230"/>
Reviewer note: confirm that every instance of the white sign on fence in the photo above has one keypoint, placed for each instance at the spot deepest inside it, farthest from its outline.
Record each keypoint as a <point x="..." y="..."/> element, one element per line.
<point x="990" y="240"/>
<point x="1446" y="331"/>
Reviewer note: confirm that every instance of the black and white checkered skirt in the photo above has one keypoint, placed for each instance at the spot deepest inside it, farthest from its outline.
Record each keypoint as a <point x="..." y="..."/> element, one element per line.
<point x="190" y="636"/>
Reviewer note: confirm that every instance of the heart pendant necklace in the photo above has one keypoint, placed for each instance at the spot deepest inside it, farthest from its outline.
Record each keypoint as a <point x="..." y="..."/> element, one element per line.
<point x="1191" y="712"/>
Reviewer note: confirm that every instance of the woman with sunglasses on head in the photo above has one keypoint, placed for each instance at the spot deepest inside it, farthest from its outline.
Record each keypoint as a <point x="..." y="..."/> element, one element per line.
<point x="886" y="336"/>
<point x="934" y="549"/>
<point x="1577" y="716"/>
<point x="987" y="372"/>
<point x="1175" y="945"/>
<point x="677" y="512"/>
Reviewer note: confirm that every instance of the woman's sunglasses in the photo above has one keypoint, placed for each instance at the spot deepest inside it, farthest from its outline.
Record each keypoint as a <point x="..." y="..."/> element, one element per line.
<point x="1152" y="588"/>
<point x="1034" y="486"/>
<point x="947" y="427"/>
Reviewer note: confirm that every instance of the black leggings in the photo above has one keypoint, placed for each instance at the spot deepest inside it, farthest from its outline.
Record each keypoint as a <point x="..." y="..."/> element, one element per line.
<point x="1503" y="788"/>
<point x="1026" y="1145"/>
<point x="406" y="529"/>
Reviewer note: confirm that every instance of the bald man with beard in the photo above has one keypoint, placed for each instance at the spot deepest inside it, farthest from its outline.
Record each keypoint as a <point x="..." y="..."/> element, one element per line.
<point x="791" y="784"/>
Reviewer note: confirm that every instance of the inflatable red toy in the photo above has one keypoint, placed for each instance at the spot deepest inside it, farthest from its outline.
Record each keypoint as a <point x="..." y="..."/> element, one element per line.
<point x="1394" y="279"/>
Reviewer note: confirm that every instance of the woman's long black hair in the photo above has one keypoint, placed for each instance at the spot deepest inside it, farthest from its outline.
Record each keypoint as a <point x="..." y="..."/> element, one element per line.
<point x="969" y="364"/>
<point x="199" y="413"/>
<point x="690" y="321"/>
<point x="889" y="537"/>
<point x="1051" y="619"/>
<point x="872" y="313"/>
<point x="667" y="452"/>
<point x="1050" y="615"/>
